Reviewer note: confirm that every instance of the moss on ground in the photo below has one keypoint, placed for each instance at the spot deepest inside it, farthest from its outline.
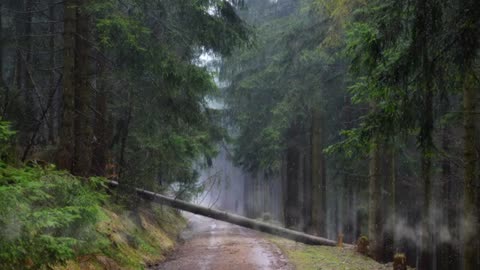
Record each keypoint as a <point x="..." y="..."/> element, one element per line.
<point x="132" y="239"/>
<point x="305" y="257"/>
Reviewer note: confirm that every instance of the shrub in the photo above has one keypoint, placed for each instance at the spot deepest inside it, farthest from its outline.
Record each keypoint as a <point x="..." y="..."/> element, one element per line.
<point x="46" y="216"/>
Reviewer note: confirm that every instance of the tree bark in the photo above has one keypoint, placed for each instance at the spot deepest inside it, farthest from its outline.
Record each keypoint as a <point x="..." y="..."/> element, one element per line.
<point x="447" y="257"/>
<point x="307" y="186"/>
<point x="232" y="218"/>
<point x="52" y="119"/>
<point x="83" y="128"/>
<point x="426" y="21"/>
<point x="293" y="208"/>
<point x="426" y="163"/>
<point x="393" y="190"/>
<point x="99" y="159"/>
<point x="319" y="207"/>
<point x="374" y="202"/>
<point x="124" y="129"/>
<point x="471" y="227"/>
<point x="31" y="106"/>
<point x="390" y="211"/>
<point x="67" y="140"/>
<point x="3" y="85"/>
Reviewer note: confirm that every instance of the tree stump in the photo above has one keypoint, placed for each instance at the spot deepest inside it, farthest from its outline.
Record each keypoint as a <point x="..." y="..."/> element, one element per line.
<point x="340" y="240"/>
<point x="399" y="261"/>
<point x="362" y="245"/>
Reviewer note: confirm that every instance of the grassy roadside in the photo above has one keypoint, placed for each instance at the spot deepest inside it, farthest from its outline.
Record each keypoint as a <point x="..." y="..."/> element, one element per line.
<point x="305" y="257"/>
<point x="132" y="239"/>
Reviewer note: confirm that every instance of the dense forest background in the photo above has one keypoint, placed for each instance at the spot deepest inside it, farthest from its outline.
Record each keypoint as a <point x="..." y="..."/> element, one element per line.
<point x="364" y="113"/>
<point x="349" y="117"/>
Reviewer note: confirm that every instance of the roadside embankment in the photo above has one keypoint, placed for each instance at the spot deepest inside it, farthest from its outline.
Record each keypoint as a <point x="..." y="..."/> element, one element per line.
<point x="132" y="239"/>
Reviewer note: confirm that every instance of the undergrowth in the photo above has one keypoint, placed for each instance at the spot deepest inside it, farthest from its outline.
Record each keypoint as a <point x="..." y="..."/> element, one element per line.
<point x="46" y="216"/>
<point x="50" y="219"/>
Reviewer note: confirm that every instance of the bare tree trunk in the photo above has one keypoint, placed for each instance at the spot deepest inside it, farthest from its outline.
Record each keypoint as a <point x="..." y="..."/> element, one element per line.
<point x="52" y="119"/>
<point x="426" y="249"/>
<point x="292" y="207"/>
<point x="390" y="211"/>
<point x="374" y="202"/>
<point x="471" y="227"/>
<point x="393" y="190"/>
<point x="19" y="76"/>
<point x="307" y="186"/>
<point x="30" y="104"/>
<point x="232" y="218"/>
<point x="99" y="159"/>
<point x="427" y="25"/>
<point x="66" y="149"/>
<point x="124" y="136"/>
<point x="83" y="128"/>
<point x="3" y="85"/>
<point x="319" y="202"/>
<point x="447" y="256"/>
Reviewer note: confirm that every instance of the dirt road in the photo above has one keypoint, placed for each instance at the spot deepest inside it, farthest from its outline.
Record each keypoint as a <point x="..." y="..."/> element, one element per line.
<point x="215" y="245"/>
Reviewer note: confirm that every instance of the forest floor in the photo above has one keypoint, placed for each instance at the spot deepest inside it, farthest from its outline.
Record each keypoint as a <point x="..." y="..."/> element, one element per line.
<point x="215" y="245"/>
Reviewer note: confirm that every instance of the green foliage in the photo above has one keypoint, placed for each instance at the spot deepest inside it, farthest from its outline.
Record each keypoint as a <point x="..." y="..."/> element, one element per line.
<point x="162" y="107"/>
<point x="46" y="216"/>
<point x="276" y="86"/>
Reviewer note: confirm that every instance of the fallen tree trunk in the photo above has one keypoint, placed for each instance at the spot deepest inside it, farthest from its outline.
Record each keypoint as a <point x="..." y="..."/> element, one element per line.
<point x="232" y="218"/>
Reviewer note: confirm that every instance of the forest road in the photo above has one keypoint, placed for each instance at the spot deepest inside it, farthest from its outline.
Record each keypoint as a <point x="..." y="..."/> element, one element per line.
<point x="215" y="245"/>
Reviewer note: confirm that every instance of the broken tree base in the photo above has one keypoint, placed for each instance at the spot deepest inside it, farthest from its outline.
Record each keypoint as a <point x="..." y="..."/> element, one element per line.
<point x="232" y="218"/>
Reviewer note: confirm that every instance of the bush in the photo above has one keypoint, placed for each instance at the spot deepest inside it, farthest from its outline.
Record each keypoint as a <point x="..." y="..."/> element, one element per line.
<point x="46" y="216"/>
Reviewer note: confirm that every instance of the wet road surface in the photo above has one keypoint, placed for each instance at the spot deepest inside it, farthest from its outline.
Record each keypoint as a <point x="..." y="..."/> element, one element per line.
<point x="215" y="245"/>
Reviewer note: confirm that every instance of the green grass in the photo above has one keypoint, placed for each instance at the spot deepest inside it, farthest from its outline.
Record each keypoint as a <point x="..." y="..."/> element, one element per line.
<point x="305" y="257"/>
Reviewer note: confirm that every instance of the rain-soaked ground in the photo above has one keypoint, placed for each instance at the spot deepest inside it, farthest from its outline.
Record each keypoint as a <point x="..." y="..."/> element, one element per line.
<point x="216" y="245"/>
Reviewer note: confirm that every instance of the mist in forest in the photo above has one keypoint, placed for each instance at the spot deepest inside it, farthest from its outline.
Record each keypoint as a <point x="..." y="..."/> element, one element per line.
<point x="301" y="111"/>
<point x="353" y="121"/>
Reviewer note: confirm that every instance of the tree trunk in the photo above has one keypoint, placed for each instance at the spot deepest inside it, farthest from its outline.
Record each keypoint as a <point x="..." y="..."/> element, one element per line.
<point x="66" y="148"/>
<point x="232" y="218"/>
<point x="374" y="202"/>
<point x="292" y="207"/>
<point x="83" y="128"/>
<point x="32" y="111"/>
<point x="123" y="143"/>
<point x="300" y="190"/>
<point x="426" y="163"/>
<point x="52" y="119"/>
<point x="425" y="259"/>
<point x="307" y="187"/>
<point x="393" y="190"/>
<point x="446" y="253"/>
<point x="319" y="204"/>
<point x="426" y="21"/>
<point x="471" y="227"/>
<point x="99" y="159"/>
<point x="390" y="212"/>
<point x="3" y="85"/>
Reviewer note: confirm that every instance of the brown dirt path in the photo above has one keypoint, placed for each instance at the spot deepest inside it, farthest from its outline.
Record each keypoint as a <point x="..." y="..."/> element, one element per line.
<point x="215" y="245"/>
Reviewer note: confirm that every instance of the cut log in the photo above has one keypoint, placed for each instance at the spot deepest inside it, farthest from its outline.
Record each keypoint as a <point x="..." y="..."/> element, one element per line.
<point x="231" y="218"/>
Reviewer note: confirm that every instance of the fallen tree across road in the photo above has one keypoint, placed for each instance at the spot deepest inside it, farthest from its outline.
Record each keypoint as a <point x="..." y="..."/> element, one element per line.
<point x="232" y="218"/>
